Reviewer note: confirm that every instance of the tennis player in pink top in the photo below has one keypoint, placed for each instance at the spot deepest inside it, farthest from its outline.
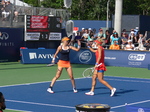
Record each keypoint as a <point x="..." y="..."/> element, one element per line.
<point x="99" y="68"/>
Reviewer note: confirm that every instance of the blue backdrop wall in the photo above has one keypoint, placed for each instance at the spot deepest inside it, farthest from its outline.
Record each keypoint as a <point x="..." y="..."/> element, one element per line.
<point x="11" y="39"/>
<point x="139" y="59"/>
<point x="90" y="24"/>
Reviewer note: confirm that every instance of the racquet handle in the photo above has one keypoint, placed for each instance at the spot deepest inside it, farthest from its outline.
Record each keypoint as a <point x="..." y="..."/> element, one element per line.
<point x="99" y="64"/>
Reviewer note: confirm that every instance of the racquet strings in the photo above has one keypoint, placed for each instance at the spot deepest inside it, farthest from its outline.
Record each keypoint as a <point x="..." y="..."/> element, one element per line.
<point x="88" y="72"/>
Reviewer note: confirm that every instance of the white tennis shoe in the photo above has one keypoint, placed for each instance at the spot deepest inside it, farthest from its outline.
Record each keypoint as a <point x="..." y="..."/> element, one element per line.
<point x="90" y="93"/>
<point x="113" y="91"/>
<point x="50" y="90"/>
<point x="75" y="90"/>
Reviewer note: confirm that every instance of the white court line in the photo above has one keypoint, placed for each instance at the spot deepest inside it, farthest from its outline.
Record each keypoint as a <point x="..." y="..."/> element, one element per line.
<point x="40" y="104"/>
<point x="62" y="106"/>
<point x="35" y="83"/>
<point x="127" y="77"/>
<point x="130" y="104"/>
<point x="128" y="80"/>
<point x="81" y="78"/>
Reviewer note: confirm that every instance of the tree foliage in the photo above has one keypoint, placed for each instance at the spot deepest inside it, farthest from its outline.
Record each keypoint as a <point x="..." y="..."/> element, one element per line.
<point x="96" y="9"/>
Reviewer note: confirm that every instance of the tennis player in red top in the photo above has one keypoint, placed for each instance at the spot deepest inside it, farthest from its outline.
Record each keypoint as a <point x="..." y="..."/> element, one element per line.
<point x="64" y="62"/>
<point x="99" y="68"/>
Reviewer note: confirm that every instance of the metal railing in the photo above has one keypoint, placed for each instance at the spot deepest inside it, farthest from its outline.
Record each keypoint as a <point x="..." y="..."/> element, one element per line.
<point x="23" y="10"/>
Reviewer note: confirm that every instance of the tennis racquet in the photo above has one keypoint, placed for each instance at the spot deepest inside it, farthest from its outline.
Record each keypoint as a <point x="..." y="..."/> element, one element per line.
<point x="69" y="27"/>
<point x="89" y="71"/>
<point x="50" y="64"/>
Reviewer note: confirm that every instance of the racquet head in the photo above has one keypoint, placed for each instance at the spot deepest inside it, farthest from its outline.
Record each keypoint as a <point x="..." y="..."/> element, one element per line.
<point x="69" y="27"/>
<point x="88" y="72"/>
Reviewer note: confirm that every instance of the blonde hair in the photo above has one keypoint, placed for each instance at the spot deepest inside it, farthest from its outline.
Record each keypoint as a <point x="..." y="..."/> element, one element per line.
<point x="100" y="40"/>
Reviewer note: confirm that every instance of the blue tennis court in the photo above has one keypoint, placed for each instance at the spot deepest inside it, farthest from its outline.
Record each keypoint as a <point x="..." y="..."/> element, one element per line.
<point x="34" y="97"/>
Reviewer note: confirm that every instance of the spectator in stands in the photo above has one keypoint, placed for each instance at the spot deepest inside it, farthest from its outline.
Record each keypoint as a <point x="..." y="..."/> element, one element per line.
<point x="115" y="38"/>
<point x="125" y="33"/>
<point x="147" y="44"/>
<point x="89" y="30"/>
<point x="133" y="38"/>
<point x="131" y="31"/>
<point x="136" y="30"/>
<point x="101" y="34"/>
<point x="82" y="31"/>
<point x="114" y="31"/>
<point x="129" y="46"/>
<point x="114" y="46"/>
<point x="92" y="44"/>
<point x="2" y="6"/>
<point x="16" y="13"/>
<point x="141" y="38"/>
<point x="84" y="38"/>
<point x="107" y="40"/>
<point x="91" y="36"/>
<point x="124" y="40"/>
<point x="137" y="36"/>
<point x="85" y="35"/>
<point x="94" y="31"/>
<point x="74" y="42"/>
<point x="2" y="102"/>
<point x="141" y="42"/>
<point x="6" y="10"/>
<point x="0" y="34"/>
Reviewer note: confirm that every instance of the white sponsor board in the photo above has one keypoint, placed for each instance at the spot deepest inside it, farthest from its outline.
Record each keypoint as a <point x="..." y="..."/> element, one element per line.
<point x="32" y="36"/>
<point x="136" y="57"/>
<point x="55" y="36"/>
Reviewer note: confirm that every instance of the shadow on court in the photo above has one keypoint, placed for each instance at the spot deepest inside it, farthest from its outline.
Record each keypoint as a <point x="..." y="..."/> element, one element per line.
<point x="81" y="66"/>
<point x="22" y="67"/>
<point x="11" y="63"/>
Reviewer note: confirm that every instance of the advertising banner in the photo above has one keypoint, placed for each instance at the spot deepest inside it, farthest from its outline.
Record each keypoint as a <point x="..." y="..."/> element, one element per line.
<point x="85" y="56"/>
<point x="38" y="56"/>
<point x="11" y="39"/>
<point x="138" y="59"/>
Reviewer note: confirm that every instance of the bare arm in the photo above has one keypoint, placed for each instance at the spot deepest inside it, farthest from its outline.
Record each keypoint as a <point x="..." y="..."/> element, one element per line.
<point x="145" y="34"/>
<point x="135" y="39"/>
<point x="92" y="50"/>
<point x="99" y="55"/>
<point x="76" y="49"/>
<point x="57" y="51"/>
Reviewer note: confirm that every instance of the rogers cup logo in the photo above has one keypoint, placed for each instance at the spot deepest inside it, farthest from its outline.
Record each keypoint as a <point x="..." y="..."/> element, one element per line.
<point x="85" y="56"/>
<point x="136" y="57"/>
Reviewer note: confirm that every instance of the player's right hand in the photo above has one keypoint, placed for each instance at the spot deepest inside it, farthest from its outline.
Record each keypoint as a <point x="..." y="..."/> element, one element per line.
<point x="53" y="61"/>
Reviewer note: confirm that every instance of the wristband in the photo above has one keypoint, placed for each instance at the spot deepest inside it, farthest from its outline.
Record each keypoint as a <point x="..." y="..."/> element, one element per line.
<point x="53" y="59"/>
<point x="96" y="63"/>
<point x="88" y="46"/>
<point x="79" y="46"/>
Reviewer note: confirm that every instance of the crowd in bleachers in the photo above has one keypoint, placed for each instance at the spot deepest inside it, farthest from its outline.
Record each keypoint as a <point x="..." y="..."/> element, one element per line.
<point x="133" y="40"/>
<point x="6" y="9"/>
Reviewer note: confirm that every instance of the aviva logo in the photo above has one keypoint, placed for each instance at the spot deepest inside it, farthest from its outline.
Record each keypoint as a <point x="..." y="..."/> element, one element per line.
<point x="32" y="56"/>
